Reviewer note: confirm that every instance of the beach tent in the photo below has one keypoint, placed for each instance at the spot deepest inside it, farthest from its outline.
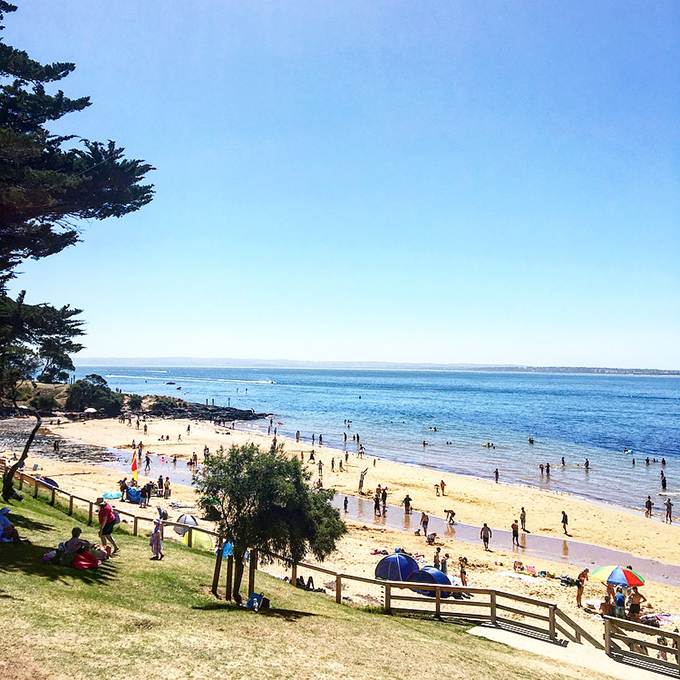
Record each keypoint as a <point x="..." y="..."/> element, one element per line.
<point x="188" y="521"/>
<point x="134" y="495"/>
<point x="397" y="567"/>
<point x="199" y="540"/>
<point x="429" y="575"/>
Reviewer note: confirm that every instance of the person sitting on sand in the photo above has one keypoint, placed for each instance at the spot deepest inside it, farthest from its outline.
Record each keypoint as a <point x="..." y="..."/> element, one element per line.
<point x="606" y="608"/>
<point x="431" y="538"/>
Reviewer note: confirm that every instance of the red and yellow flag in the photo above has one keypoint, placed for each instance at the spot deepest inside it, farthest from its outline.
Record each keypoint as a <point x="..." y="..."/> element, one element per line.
<point x="135" y="474"/>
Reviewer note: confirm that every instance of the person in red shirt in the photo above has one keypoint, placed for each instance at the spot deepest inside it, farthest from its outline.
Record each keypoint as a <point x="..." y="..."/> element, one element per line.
<point x="107" y="521"/>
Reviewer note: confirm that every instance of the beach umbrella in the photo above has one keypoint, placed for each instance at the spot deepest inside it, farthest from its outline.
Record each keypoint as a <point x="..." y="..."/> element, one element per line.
<point x="188" y="521"/>
<point x="397" y="567"/>
<point x="90" y="410"/>
<point x="618" y="576"/>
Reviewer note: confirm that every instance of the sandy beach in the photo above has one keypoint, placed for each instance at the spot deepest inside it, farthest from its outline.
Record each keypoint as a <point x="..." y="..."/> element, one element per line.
<point x="475" y="501"/>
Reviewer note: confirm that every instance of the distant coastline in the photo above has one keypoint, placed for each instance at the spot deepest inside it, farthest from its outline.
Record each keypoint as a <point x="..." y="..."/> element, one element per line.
<point x="178" y="362"/>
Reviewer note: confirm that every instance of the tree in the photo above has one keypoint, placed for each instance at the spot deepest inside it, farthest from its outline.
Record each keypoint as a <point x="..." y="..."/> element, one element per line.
<point x="48" y="183"/>
<point x="8" y="492"/>
<point x="94" y="392"/>
<point x="134" y="402"/>
<point x="264" y="501"/>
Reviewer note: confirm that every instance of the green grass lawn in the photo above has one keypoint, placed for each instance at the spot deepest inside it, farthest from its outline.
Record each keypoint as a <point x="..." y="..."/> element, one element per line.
<point x="143" y="619"/>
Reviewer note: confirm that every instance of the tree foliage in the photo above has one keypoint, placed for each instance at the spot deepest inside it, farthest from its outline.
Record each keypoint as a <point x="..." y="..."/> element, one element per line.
<point x="50" y="182"/>
<point x="263" y="500"/>
<point x="94" y="392"/>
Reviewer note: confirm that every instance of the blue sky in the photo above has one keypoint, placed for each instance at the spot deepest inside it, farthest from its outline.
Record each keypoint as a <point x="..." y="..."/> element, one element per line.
<point x="491" y="182"/>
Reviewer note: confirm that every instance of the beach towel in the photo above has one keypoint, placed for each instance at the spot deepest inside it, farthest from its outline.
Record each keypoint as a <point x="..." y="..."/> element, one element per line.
<point x="85" y="561"/>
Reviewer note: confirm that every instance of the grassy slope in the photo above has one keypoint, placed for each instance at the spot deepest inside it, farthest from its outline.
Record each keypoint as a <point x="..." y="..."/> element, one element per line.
<point x="157" y="620"/>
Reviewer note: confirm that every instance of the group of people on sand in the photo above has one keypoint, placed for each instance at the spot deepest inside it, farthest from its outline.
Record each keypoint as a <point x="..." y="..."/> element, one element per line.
<point x="668" y="506"/>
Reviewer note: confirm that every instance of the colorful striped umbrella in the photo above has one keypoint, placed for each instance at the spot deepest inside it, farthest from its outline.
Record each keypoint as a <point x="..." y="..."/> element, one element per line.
<point x="618" y="576"/>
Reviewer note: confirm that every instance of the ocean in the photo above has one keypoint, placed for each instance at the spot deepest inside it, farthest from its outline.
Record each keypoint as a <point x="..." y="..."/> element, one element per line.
<point x="394" y="412"/>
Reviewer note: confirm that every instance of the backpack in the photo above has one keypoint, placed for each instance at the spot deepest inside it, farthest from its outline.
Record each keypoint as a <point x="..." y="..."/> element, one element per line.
<point x="116" y="517"/>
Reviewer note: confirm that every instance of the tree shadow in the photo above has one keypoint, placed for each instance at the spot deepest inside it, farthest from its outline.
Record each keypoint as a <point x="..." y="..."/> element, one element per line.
<point x="287" y="614"/>
<point x="23" y="522"/>
<point x="28" y="558"/>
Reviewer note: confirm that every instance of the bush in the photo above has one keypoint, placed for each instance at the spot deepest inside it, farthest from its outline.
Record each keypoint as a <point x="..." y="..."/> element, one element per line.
<point x="163" y="405"/>
<point x="94" y="392"/>
<point x="134" y="402"/>
<point x="44" y="402"/>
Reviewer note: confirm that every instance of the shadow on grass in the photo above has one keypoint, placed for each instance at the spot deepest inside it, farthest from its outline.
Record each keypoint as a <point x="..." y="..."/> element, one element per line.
<point x="28" y="559"/>
<point x="287" y="614"/>
<point x="23" y="522"/>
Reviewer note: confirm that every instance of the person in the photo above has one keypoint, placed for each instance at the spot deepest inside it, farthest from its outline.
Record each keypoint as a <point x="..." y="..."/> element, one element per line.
<point x="437" y="559"/>
<point x="107" y="520"/>
<point x="515" y="533"/>
<point x="580" y="583"/>
<point x="311" y="458"/>
<point x="147" y="463"/>
<point x="547" y="469"/>
<point x="664" y="482"/>
<point x="431" y="538"/>
<point x="407" y="504"/>
<point x="620" y="604"/>
<point x="383" y="498"/>
<point x="565" y="522"/>
<point x="606" y="608"/>
<point x="167" y="491"/>
<point x="587" y="464"/>
<point x="444" y="566"/>
<point x="669" y="510"/>
<point x="8" y="532"/>
<point x="424" y="521"/>
<point x="362" y="476"/>
<point x="648" y="506"/>
<point x="495" y="475"/>
<point x="156" y="541"/>
<point x="376" y="505"/>
<point x="523" y="518"/>
<point x="143" y="496"/>
<point x="332" y="464"/>
<point x="462" y="562"/>
<point x="563" y="462"/>
<point x="320" y="466"/>
<point x="188" y="429"/>
<point x="76" y="544"/>
<point x="485" y="534"/>
<point x="636" y="599"/>
<point x="436" y="488"/>
<point x="345" y="503"/>
<point x="161" y="485"/>
<point x="442" y="486"/>
<point x="450" y="514"/>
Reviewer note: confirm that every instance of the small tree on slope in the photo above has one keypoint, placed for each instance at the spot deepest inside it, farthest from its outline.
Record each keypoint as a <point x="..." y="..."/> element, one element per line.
<point x="264" y="501"/>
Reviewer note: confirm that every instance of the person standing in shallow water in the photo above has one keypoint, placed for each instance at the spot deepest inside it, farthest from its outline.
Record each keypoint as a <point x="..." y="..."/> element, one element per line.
<point x="523" y="518"/>
<point x="515" y="533"/>
<point x="485" y="534"/>
<point x="565" y="522"/>
<point x="495" y="475"/>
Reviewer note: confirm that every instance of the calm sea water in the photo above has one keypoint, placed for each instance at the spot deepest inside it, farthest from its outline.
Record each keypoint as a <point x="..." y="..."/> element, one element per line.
<point x="575" y="416"/>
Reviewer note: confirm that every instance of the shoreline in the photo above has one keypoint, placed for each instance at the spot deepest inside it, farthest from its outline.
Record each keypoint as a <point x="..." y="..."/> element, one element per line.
<point x="474" y="500"/>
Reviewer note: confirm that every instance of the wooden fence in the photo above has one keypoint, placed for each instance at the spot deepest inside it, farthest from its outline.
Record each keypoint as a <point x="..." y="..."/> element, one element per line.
<point x="641" y="645"/>
<point x="482" y="605"/>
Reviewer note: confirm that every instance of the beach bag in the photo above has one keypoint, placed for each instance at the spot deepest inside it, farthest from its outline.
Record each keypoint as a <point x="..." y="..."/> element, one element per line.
<point x="116" y="517"/>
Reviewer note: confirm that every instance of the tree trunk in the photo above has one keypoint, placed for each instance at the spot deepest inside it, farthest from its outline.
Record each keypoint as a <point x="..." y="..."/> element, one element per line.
<point x="239" y="556"/>
<point x="8" y="491"/>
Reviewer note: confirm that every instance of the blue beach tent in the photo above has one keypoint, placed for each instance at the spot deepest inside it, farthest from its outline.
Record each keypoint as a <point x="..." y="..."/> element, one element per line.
<point x="134" y="495"/>
<point x="429" y="575"/>
<point x="397" y="567"/>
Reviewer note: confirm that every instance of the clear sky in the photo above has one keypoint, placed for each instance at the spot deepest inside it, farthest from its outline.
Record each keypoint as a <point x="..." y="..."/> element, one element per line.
<point x="486" y="182"/>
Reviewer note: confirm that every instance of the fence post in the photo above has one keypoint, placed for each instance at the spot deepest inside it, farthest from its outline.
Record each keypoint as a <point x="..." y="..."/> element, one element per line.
<point x="338" y="588"/>
<point x="551" y="622"/>
<point x="388" y="599"/>
<point x="70" y="505"/>
<point x="251" y="571"/>
<point x="35" y="488"/>
<point x="492" y="608"/>
<point x="54" y="496"/>
<point x="293" y="574"/>
<point x="230" y="575"/>
<point x="438" y="602"/>
<point x="218" y="565"/>
<point x="89" y="519"/>
<point x="607" y="637"/>
<point x="135" y="527"/>
<point x="190" y="540"/>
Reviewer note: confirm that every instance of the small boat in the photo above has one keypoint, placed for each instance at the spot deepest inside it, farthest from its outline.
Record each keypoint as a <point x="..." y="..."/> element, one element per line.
<point x="170" y="383"/>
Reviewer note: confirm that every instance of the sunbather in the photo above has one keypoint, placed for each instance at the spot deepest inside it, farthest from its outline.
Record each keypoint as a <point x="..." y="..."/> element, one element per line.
<point x="8" y="532"/>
